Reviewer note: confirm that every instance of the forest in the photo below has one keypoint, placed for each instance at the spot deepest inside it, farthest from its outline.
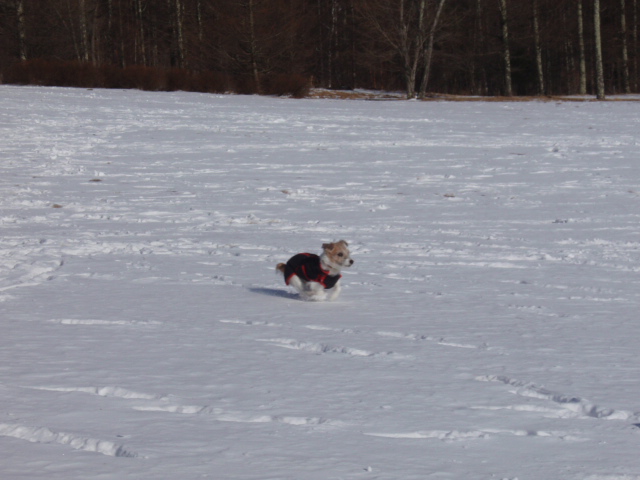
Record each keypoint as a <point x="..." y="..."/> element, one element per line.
<point x="419" y="47"/>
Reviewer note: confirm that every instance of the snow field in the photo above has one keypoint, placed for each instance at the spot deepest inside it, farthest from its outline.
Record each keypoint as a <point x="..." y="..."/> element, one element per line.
<point x="488" y="328"/>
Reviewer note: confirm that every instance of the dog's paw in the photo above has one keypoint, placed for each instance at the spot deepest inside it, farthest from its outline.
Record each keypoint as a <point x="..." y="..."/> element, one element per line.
<point x="315" y="297"/>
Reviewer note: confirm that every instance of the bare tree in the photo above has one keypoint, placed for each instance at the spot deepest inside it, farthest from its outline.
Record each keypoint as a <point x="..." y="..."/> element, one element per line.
<point x="428" y="53"/>
<point x="407" y="28"/>
<point x="538" y="47"/>
<point x="625" y="50"/>
<point x="84" y="33"/>
<point x="506" y="52"/>
<point x="22" y="31"/>
<point x="178" y="29"/>
<point x="598" y="44"/>
<point x="253" y="45"/>
<point x="634" y="37"/>
<point x="479" y="69"/>
<point x="141" y="40"/>
<point x="583" y="61"/>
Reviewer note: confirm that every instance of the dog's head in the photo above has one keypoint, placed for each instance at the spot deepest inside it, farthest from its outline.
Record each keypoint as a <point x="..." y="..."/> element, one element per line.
<point x="337" y="255"/>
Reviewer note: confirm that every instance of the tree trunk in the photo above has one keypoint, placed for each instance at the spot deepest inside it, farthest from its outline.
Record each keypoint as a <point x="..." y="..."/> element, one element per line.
<point x="506" y="49"/>
<point x="538" y="48"/>
<point x="199" y="18"/>
<point x="140" y="15"/>
<point x="413" y="41"/>
<point x="182" y="55"/>
<point x="598" y="39"/>
<point x="625" y="51"/>
<point x="322" y="56"/>
<point x="479" y="84"/>
<point x="123" y="56"/>
<point x="253" y="47"/>
<point x="333" y="40"/>
<point x="405" y="52"/>
<point x="84" y="35"/>
<point x="22" y="31"/>
<point x="428" y="54"/>
<point x="634" y="39"/>
<point x="583" y="62"/>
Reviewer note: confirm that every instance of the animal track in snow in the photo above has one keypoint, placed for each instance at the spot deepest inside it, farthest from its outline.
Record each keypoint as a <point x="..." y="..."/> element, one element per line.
<point x="116" y="392"/>
<point x="320" y="348"/>
<point x="458" y="435"/>
<point x="613" y="476"/>
<point x="219" y="414"/>
<point x="251" y="323"/>
<point x="26" y="273"/>
<point x="416" y="337"/>
<point x="326" y="348"/>
<point x="330" y="329"/>
<point x="238" y="417"/>
<point x="534" y="309"/>
<point x="45" y="435"/>
<point x="80" y="321"/>
<point x="571" y="406"/>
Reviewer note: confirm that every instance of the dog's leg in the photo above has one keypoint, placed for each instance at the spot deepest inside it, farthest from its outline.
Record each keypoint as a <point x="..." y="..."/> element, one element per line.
<point x="334" y="292"/>
<point x="314" y="292"/>
<point x="298" y="284"/>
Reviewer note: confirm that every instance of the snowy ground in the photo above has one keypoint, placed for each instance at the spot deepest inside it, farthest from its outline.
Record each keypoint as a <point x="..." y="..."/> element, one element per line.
<point x="488" y="329"/>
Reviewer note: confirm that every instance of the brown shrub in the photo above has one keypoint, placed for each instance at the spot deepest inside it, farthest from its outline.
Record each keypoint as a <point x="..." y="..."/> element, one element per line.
<point x="294" y="85"/>
<point x="86" y="75"/>
<point x="211" y="82"/>
<point x="243" y="85"/>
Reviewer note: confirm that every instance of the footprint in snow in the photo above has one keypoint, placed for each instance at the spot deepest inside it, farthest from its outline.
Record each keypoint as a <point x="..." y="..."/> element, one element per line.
<point x="570" y="406"/>
<point x="77" y="442"/>
<point x="321" y="348"/>
<point x="115" y="392"/>
<point x="461" y="435"/>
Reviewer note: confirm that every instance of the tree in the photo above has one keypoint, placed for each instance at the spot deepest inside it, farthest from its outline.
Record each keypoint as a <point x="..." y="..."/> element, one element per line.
<point x="428" y="54"/>
<point x="583" y="62"/>
<point x="634" y="42"/>
<point x="538" y="47"/>
<point x="598" y="44"/>
<point x="625" y="50"/>
<point x="485" y="47"/>
<point x="506" y="50"/>
<point x="408" y="28"/>
<point x="22" y="34"/>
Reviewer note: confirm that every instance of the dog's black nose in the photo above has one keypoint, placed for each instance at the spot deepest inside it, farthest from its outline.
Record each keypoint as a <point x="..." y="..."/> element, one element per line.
<point x="351" y="262"/>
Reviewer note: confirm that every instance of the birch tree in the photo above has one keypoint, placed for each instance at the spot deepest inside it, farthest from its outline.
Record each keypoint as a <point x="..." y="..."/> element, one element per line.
<point x="625" y="50"/>
<point x="583" y="61"/>
<point x="84" y="33"/>
<point x="598" y="45"/>
<point x="22" y="31"/>
<point x="506" y="49"/>
<point x="405" y="27"/>
<point x="538" y="47"/>
<point x="178" y="29"/>
<point x="428" y="53"/>
<point x="634" y="40"/>
<point x="479" y="73"/>
<point x="140" y="30"/>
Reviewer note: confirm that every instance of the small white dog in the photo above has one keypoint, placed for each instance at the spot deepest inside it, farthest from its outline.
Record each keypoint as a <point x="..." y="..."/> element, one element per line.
<point x="316" y="277"/>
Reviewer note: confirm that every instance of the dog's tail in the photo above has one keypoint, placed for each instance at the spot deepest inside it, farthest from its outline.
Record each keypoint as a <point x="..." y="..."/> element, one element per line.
<point x="280" y="267"/>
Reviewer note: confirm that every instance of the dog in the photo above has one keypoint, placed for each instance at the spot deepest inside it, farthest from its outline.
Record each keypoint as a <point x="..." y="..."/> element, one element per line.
<point x="317" y="277"/>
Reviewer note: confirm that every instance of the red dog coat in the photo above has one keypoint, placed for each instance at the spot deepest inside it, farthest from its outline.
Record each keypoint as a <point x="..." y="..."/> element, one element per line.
<point x="307" y="266"/>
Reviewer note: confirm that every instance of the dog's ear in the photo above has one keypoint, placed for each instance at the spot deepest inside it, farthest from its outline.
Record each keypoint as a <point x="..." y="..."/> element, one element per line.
<point x="344" y="243"/>
<point x="328" y="246"/>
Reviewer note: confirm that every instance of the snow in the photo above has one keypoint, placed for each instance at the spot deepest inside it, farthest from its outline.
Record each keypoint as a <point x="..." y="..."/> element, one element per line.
<point x="487" y="330"/>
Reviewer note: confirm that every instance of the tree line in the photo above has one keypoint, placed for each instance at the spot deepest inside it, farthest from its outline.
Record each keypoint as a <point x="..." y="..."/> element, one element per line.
<point x="473" y="47"/>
